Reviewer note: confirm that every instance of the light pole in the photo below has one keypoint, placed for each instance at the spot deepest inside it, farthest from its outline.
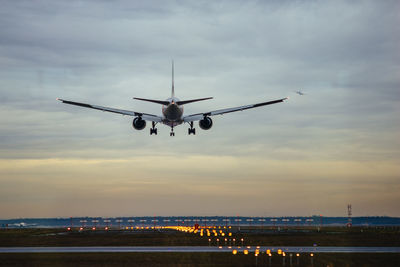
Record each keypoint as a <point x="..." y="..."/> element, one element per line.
<point x="274" y="221"/>
<point x="249" y="221"/>
<point x="95" y="221"/>
<point x="226" y="222"/>
<point x="154" y="223"/>
<point x="166" y="221"/>
<point x="238" y="222"/>
<point x="320" y="222"/>
<point x="83" y="223"/>
<point x="283" y="258"/>
<point x="187" y="221"/>
<point x="119" y="221"/>
<point x="130" y="221"/>
<point x="107" y="221"/>
<point x="286" y="222"/>
<point x="262" y="223"/>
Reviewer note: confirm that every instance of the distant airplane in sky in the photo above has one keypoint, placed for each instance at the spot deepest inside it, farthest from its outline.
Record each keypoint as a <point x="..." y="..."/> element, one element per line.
<point x="299" y="93"/>
<point x="172" y="112"/>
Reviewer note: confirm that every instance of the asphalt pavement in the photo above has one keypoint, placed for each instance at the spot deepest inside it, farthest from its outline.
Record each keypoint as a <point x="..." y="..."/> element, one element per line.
<point x="198" y="249"/>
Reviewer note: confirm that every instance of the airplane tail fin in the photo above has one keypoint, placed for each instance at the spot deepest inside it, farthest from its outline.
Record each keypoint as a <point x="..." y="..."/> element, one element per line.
<point x="166" y="103"/>
<point x="172" y="89"/>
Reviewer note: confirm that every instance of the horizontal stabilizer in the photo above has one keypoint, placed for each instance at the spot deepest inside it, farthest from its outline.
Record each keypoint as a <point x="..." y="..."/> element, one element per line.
<point x="166" y="103"/>
<point x="192" y="100"/>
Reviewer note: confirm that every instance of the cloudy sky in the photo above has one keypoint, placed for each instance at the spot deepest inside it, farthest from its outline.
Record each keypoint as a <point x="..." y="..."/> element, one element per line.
<point x="313" y="154"/>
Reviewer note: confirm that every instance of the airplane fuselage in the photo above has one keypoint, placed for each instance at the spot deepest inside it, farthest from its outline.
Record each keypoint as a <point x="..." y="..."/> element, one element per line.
<point x="172" y="112"/>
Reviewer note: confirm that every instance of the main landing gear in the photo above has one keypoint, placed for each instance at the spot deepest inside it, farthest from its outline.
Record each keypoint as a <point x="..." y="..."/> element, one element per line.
<point x="172" y="132"/>
<point x="191" y="130"/>
<point x="153" y="129"/>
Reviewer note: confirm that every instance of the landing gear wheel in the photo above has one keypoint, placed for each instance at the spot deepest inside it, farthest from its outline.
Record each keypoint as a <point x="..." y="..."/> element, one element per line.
<point x="191" y="130"/>
<point x="171" y="134"/>
<point x="153" y="131"/>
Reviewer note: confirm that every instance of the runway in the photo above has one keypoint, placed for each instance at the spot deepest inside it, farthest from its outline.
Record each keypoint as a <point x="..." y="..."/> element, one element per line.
<point x="197" y="249"/>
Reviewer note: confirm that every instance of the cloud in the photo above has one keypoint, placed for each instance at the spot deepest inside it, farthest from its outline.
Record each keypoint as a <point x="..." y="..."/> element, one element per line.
<point x="343" y="54"/>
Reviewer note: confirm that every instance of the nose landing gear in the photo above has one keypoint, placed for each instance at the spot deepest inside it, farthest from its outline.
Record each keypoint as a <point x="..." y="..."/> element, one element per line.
<point x="172" y="132"/>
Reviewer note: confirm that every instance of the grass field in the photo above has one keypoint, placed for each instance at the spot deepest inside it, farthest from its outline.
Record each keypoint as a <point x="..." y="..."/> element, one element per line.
<point x="263" y="237"/>
<point x="291" y="237"/>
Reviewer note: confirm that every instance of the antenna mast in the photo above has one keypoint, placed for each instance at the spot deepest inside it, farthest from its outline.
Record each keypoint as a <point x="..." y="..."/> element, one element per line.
<point x="349" y="213"/>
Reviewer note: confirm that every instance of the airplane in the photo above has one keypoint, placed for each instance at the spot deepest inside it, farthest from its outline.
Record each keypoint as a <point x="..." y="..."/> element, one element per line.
<point x="172" y="112"/>
<point x="299" y="92"/>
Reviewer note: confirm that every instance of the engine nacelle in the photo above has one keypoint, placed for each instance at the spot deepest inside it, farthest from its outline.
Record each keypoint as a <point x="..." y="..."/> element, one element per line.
<point x="138" y="123"/>
<point x="205" y="123"/>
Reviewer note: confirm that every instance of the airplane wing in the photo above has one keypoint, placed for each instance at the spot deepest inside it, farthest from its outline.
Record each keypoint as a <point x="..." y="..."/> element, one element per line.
<point x="200" y="116"/>
<point x="144" y="116"/>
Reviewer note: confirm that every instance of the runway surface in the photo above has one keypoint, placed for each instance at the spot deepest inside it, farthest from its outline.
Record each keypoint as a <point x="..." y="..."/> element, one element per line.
<point x="198" y="249"/>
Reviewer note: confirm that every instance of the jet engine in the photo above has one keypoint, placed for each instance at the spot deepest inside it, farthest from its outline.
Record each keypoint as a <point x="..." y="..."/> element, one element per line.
<point x="138" y="123"/>
<point x="205" y="123"/>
